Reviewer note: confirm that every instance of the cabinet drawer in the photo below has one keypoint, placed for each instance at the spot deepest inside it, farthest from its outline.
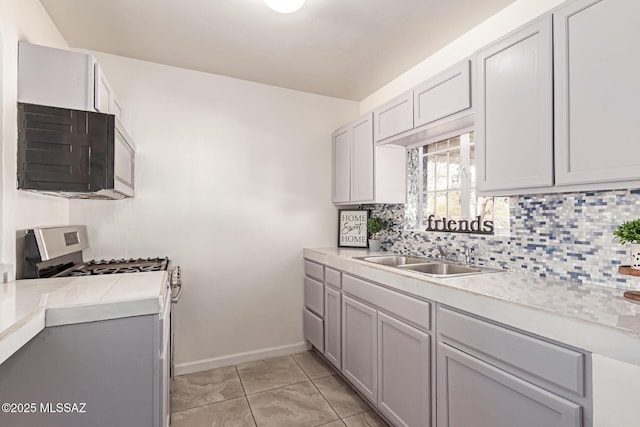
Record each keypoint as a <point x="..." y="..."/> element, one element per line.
<point x="533" y="357"/>
<point x="314" y="296"/>
<point x="314" y="270"/>
<point x="410" y="309"/>
<point x="313" y="329"/>
<point x="332" y="277"/>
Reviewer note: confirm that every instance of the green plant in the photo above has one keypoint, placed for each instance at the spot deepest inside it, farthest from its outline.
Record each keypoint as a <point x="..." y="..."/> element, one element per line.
<point x="375" y="225"/>
<point x="628" y="232"/>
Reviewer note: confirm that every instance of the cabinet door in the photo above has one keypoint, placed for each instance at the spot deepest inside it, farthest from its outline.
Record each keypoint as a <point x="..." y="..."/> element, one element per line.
<point x="597" y="91"/>
<point x="404" y="375"/>
<point x="342" y="165"/>
<point x="474" y="393"/>
<point x="514" y="108"/>
<point x="362" y="160"/>
<point x="443" y="95"/>
<point x="102" y="91"/>
<point x="115" y="108"/>
<point x="332" y="326"/>
<point x="394" y="117"/>
<point x="55" y="77"/>
<point x="359" y="347"/>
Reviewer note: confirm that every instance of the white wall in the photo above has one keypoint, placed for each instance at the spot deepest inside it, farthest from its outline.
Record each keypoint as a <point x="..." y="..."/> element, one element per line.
<point x="233" y="180"/>
<point x="21" y="20"/>
<point x="505" y="21"/>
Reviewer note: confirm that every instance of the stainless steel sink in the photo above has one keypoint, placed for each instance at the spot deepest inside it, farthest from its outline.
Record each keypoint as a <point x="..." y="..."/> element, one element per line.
<point x="441" y="269"/>
<point x="395" y="260"/>
<point x="427" y="266"/>
<point x="445" y="269"/>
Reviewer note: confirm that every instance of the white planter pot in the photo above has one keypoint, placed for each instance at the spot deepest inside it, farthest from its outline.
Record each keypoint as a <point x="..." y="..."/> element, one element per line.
<point x="374" y="245"/>
<point x="635" y="256"/>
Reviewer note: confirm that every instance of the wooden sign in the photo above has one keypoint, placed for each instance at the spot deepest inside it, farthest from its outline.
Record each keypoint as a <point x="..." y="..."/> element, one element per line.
<point x="352" y="228"/>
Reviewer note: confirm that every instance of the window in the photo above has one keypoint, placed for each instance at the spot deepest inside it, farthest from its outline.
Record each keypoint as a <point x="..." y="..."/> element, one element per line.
<point x="447" y="189"/>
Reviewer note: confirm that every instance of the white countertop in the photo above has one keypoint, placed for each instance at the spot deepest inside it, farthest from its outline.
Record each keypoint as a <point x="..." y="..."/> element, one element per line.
<point x="595" y="318"/>
<point x="28" y="306"/>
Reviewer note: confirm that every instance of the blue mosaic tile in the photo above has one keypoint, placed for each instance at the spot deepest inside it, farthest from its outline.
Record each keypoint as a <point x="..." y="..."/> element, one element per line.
<point x="566" y="236"/>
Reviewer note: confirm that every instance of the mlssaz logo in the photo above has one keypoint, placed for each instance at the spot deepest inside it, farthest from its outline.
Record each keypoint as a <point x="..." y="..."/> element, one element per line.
<point x="476" y="226"/>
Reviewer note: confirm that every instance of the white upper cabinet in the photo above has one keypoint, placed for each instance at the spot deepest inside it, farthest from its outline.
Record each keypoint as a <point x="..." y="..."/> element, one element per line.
<point x="514" y="110"/>
<point x="362" y="160"/>
<point x="102" y="90"/>
<point x="105" y="100"/>
<point x="364" y="173"/>
<point x="597" y="87"/>
<point x="394" y="117"/>
<point x="342" y="165"/>
<point x="64" y="79"/>
<point x="443" y="95"/>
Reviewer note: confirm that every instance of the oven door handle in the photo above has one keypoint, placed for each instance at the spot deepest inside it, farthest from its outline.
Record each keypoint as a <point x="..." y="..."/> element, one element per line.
<point x="176" y="297"/>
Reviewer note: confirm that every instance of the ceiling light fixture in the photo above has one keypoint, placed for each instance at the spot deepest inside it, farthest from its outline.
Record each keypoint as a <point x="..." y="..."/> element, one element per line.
<point x="284" y="6"/>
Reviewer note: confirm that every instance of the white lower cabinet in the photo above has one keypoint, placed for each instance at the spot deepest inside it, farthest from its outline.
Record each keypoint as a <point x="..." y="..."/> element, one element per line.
<point x="404" y="372"/>
<point x="333" y="326"/>
<point x="488" y="374"/>
<point x="111" y="369"/>
<point x="475" y="393"/>
<point x="313" y="312"/>
<point x="360" y="347"/>
<point x="313" y="329"/>
<point x="385" y="358"/>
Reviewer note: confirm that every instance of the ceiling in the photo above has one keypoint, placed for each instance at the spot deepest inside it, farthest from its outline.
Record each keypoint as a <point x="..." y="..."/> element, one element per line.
<point x="342" y="48"/>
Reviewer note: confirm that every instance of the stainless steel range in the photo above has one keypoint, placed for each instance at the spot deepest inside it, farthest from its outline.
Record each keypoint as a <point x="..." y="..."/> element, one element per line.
<point x="51" y="252"/>
<point x="57" y="252"/>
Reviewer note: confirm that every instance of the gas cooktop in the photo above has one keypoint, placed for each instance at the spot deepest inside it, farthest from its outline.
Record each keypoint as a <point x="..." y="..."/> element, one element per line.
<point x="114" y="266"/>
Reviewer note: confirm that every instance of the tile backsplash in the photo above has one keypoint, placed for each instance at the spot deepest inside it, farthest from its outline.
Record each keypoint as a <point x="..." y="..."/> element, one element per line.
<point x="566" y="236"/>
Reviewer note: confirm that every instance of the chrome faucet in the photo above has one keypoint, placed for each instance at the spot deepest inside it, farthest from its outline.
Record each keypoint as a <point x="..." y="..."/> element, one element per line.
<point x="442" y="251"/>
<point x="466" y="252"/>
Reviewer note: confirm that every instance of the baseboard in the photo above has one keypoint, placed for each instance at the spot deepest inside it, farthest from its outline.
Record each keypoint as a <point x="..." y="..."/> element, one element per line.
<point x="234" y="359"/>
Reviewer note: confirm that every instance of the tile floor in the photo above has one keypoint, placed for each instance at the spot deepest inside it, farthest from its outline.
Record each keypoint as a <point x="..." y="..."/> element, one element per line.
<point x="290" y="391"/>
